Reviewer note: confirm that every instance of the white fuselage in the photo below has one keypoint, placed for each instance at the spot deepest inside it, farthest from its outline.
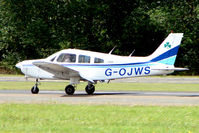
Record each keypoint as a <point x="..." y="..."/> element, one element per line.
<point x="112" y="67"/>
<point x="76" y="65"/>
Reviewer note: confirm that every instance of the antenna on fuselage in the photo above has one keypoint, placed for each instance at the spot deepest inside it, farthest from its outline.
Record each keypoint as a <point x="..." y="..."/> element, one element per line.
<point x="112" y="50"/>
<point x="132" y="53"/>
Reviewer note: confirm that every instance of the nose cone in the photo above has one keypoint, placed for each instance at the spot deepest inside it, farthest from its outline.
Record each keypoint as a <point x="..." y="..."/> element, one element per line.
<point x="18" y="65"/>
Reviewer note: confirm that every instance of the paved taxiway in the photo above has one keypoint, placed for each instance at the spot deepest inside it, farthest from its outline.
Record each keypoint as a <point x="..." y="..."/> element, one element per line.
<point x="107" y="97"/>
<point x="163" y="79"/>
<point x="103" y="97"/>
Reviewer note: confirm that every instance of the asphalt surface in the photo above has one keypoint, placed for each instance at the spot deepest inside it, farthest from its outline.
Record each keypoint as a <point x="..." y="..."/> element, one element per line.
<point x="163" y="79"/>
<point x="107" y="97"/>
<point x="103" y="97"/>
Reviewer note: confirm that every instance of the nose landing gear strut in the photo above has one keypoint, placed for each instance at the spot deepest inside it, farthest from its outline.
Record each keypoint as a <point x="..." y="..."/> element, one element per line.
<point x="35" y="89"/>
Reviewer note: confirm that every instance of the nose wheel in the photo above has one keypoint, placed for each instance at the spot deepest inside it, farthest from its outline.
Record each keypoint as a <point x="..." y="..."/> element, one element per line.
<point x="90" y="89"/>
<point x="35" y="89"/>
<point x="70" y="90"/>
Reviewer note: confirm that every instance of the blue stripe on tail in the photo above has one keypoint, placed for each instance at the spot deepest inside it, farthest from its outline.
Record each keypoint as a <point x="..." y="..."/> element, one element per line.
<point x="168" y="61"/>
<point x="168" y="57"/>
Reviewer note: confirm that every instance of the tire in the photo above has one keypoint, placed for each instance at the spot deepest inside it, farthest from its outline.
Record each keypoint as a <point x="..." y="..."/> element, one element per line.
<point x="90" y="89"/>
<point x="35" y="90"/>
<point x="69" y="90"/>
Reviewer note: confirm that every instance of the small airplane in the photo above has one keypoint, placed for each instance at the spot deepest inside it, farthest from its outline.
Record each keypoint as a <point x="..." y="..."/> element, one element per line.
<point x="76" y="65"/>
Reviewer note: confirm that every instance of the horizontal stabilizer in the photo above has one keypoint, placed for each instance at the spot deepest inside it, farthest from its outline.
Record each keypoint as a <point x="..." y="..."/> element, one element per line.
<point x="170" y="69"/>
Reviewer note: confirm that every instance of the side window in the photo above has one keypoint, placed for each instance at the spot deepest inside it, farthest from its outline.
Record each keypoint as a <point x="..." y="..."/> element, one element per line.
<point x="84" y="59"/>
<point x="98" y="60"/>
<point x="53" y="59"/>
<point x="70" y="58"/>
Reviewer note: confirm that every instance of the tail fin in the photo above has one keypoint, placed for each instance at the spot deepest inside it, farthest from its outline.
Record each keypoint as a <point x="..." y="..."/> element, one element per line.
<point x="166" y="53"/>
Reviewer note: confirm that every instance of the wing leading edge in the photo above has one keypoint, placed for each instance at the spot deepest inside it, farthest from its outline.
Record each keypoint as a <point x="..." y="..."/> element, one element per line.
<point x="57" y="70"/>
<point x="60" y="71"/>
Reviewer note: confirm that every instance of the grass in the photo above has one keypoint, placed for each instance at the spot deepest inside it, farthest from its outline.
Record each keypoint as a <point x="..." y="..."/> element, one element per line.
<point x="40" y="118"/>
<point x="103" y="86"/>
<point x="11" y="75"/>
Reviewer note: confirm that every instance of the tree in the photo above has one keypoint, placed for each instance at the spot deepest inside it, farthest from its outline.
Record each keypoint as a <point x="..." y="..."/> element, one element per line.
<point x="181" y="16"/>
<point x="37" y="28"/>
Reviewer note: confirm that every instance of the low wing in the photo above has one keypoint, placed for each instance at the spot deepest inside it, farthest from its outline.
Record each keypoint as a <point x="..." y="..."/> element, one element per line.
<point x="57" y="70"/>
<point x="60" y="71"/>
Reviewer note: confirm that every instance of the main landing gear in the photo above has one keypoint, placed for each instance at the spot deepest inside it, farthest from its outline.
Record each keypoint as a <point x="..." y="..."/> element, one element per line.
<point x="70" y="89"/>
<point x="90" y="89"/>
<point x="35" y="89"/>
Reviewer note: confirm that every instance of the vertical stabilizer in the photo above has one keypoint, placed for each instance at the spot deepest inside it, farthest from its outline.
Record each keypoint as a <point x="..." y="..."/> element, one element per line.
<point x="166" y="53"/>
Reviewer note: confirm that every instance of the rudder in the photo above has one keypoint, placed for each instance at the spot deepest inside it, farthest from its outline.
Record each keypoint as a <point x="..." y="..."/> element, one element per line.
<point x="166" y="53"/>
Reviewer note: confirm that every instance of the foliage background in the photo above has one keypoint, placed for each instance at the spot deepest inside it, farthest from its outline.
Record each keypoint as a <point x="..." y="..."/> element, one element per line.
<point x="37" y="28"/>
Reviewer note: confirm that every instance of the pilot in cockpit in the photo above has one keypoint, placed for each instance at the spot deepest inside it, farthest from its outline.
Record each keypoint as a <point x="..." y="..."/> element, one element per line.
<point x="67" y="58"/>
